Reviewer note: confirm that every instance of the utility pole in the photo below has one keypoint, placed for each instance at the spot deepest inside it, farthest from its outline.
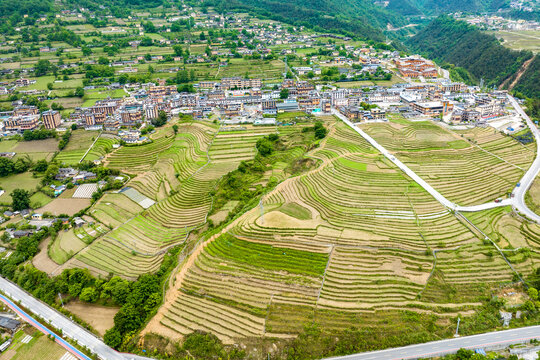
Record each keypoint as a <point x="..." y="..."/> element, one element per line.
<point x="61" y="302"/>
<point x="457" y="328"/>
<point x="261" y="206"/>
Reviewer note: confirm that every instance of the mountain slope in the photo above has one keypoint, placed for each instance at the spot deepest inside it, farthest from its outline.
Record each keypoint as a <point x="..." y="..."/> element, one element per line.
<point x="436" y="7"/>
<point x="354" y="17"/>
<point x="529" y="82"/>
<point x="447" y="40"/>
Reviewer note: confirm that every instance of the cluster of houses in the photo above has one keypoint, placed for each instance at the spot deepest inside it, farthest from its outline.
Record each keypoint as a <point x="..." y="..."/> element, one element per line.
<point x="241" y="100"/>
<point x="453" y="102"/>
<point x="28" y="118"/>
<point x="415" y="67"/>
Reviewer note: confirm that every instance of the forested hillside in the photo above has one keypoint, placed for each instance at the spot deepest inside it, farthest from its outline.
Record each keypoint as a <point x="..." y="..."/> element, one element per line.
<point x="529" y="82"/>
<point x="447" y="40"/>
<point x="436" y="7"/>
<point x="357" y="17"/>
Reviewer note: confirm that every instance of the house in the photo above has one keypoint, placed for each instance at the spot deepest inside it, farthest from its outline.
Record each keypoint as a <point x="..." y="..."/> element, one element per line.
<point x="78" y="222"/>
<point x="39" y="224"/>
<point x="64" y="173"/>
<point x="21" y="233"/>
<point x="84" y="175"/>
<point x="8" y="214"/>
<point x="37" y="216"/>
<point x="287" y="106"/>
<point x="58" y="189"/>
<point x="9" y="324"/>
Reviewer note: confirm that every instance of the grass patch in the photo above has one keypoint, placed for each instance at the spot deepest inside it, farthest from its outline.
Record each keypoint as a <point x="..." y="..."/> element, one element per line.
<point x="39" y="199"/>
<point x="296" y="211"/>
<point x="353" y="164"/>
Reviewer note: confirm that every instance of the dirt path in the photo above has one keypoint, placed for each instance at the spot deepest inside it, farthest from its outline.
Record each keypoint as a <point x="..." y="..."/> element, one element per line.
<point x="520" y="73"/>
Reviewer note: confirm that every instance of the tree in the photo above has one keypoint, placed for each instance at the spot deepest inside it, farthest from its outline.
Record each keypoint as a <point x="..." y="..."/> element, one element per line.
<point x="50" y="86"/>
<point x="128" y="319"/>
<point x="161" y="119"/>
<point x="178" y="51"/>
<point x="175" y="128"/>
<point x="89" y="294"/>
<point x="113" y="338"/>
<point x="41" y="166"/>
<point x="265" y="147"/>
<point x="42" y="67"/>
<point x="20" y="199"/>
<point x="86" y="51"/>
<point x="284" y="94"/>
<point x="6" y="166"/>
<point x="533" y="293"/>
<point x="79" y="91"/>
<point x="320" y="130"/>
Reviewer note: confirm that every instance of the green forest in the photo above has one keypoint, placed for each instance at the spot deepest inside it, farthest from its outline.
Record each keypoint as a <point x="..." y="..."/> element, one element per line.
<point x="449" y="41"/>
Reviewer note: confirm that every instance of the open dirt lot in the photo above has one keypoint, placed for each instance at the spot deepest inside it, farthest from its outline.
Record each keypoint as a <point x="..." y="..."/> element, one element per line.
<point x="65" y="206"/>
<point x="101" y="318"/>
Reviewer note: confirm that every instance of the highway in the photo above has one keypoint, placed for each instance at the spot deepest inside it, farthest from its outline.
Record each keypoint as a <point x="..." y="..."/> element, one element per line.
<point x="492" y="340"/>
<point x="517" y="202"/>
<point x="59" y="321"/>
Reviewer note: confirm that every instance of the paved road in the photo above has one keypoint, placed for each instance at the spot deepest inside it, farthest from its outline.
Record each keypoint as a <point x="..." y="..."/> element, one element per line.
<point x="532" y="173"/>
<point x="437" y="195"/>
<point x="518" y="202"/>
<point x="59" y="321"/>
<point x="492" y="340"/>
<point x="42" y="328"/>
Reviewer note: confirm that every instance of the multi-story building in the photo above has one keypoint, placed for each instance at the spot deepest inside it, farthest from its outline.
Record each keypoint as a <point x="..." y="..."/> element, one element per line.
<point x="240" y="83"/>
<point x="51" y="119"/>
<point x="21" y="122"/>
<point x="151" y="111"/>
<point x="25" y="110"/>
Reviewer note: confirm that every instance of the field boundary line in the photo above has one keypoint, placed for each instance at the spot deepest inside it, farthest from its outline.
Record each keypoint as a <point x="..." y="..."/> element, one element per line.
<point x="324" y="275"/>
<point x="90" y="148"/>
<point x="458" y="214"/>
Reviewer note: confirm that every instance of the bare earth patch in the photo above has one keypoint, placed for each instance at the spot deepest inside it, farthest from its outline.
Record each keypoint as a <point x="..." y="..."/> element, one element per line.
<point x="65" y="206"/>
<point x="277" y="219"/>
<point x="101" y="318"/>
<point x="42" y="261"/>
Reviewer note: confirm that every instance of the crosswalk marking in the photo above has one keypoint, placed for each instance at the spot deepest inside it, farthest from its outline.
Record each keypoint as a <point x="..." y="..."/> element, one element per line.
<point x="68" y="356"/>
<point x="26" y="339"/>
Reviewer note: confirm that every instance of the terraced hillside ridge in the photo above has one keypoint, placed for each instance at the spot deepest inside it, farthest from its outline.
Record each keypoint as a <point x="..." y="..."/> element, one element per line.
<point x="179" y="171"/>
<point x="352" y="237"/>
<point x="102" y="146"/>
<point x="456" y="163"/>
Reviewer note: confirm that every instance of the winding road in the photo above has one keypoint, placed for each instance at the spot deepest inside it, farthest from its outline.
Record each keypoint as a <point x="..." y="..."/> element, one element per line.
<point x="518" y="199"/>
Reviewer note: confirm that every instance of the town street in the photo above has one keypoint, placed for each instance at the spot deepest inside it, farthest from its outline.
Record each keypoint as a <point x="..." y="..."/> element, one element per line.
<point x="492" y="340"/>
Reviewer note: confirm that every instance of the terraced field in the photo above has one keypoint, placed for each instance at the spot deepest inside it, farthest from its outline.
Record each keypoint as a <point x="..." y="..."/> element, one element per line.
<point x="139" y="158"/>
<point x="457" y="163"/>
<point x="352" y="237"/>
<point x="102" y="147"/>
<point x="178" y="171"/>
